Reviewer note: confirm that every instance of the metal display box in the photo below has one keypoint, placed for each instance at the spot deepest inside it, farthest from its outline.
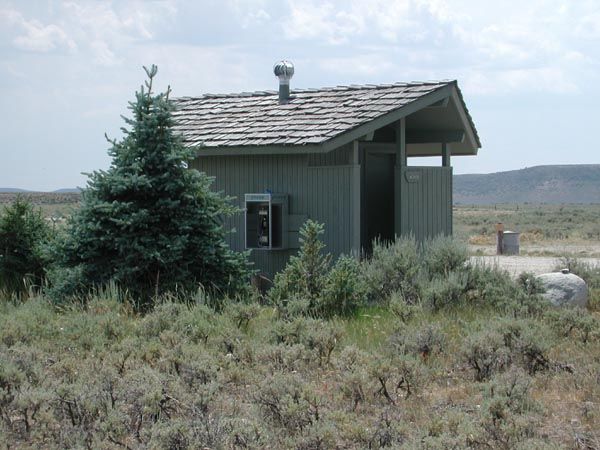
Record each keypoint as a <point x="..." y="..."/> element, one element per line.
<point x="266" y="221"/>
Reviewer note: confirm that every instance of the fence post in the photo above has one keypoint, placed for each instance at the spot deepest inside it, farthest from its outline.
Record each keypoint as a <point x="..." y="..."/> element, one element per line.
<point x="499" y="238"/>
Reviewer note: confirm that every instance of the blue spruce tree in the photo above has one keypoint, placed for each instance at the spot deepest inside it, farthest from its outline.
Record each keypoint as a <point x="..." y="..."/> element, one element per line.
<point x="149" y="223"/>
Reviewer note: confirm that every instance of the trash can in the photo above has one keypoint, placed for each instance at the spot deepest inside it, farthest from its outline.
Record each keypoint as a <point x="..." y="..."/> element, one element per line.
<point x="510" y="243"/>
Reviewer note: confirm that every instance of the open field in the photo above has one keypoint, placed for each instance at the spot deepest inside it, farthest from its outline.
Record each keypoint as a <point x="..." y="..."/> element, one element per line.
<point x="546" y="230"/>
<point x="55" y="207"/>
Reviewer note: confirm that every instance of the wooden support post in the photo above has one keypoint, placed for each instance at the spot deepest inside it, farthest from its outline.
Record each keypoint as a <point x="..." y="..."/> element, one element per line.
<point x="445" y="155"/>
<point x="401" y="143"/>
<point x="499" y="238"/>
<point x="401" y="164"/>
<point x="356" y="199"/>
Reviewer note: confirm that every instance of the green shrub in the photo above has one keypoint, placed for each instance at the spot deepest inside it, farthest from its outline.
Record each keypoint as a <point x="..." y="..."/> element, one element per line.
<point x="491" y="286"/>
<point x="305" y="274"/>
<point x="442" y="292"/>
<point x="528" y="301"/>
<point x="289" y="331"/>
<point x="589" y="272"/>
<point x="246" y="433"/>
<point x="503" y="343"/>
<point x="242" y="313"/>
<point x="486" y="353"/>
<point x="27" y="323"/>
<point x="323" y="338"/>
<point x="403" y="269"/>
<point x="343" y="292"/>
<point x="318" y="336"/>
<point x="198" y="324"/>
<point x="288" y="402"/>
<point x="426" y="341"/>
<point x="284" y="358"/>
<point x="163" y="317"/>
<point x="574" y="322"/>
<point x="68" y="285"/>
<point x="508" y="415"/>
<point x="309" y="285"/>
<point x="100" y="375"/>
<point x="393" y="268"/>
<point x="401" y="374"/>
<point x="530" y="284"/>
<point x="172" y="435"/>
<point x="23" y="235"/>
<point x="429" y="340"/>
<point x="385" y="430"/>
<point x="452" y="429"/>
<point x="402" y="309"/>
<point x="443" y="255"/>
<point x="510" y="391"/>
<point x="295" y="306"/>
<point x="320" y="435"/>
<point x="527" y="343"/>
<point x="352" y="364"/>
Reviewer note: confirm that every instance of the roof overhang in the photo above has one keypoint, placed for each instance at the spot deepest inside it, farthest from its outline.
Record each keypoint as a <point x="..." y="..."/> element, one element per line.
<point x="461" y="141"/>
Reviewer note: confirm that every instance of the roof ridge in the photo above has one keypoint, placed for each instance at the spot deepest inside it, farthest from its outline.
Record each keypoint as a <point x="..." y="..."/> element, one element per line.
<point x="349" y="87"/>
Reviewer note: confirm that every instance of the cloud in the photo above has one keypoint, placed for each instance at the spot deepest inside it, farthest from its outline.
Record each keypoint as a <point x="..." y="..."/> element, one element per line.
<point x="508" y="46"/>
<point x="589" y="27"/>
<point x="106" y="29"/>
<point x="308" y="20"/>
<point x="395" y="21"/>
<point x="502" y="82"/>
<point x="249" y="13"/>
<point x="98" y="29"/>
<point x="103" y="55"/>
<point x="361" y="65"/>
<point x="34" y="36"/>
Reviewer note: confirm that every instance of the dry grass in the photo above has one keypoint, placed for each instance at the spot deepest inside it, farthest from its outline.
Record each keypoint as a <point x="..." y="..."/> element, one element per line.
<point x="546" y="230"/>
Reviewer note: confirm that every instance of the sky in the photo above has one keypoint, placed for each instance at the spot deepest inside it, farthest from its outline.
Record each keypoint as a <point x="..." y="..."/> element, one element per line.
<point x="529" y="70"/>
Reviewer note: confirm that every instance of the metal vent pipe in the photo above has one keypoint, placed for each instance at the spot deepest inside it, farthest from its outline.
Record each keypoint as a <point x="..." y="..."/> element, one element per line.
<point x="284" y="70"/>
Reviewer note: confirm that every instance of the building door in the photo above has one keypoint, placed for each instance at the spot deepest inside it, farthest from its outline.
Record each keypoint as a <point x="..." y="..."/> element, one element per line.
<point x="378" y="198"/>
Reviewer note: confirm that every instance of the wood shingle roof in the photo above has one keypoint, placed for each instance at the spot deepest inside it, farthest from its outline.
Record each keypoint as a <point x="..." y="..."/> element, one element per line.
<point x="312" y="117"/>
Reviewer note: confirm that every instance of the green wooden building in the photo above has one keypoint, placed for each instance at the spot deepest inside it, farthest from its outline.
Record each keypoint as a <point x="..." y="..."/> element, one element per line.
<point x="339" y="155"/>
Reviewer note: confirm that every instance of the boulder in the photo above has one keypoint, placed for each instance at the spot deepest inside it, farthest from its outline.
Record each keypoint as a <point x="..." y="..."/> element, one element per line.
<point x="564" y="288"/>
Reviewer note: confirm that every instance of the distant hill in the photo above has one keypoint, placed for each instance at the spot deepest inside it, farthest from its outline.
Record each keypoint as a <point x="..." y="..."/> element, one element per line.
<point x="67" y="191"/>
<point x="12" y="190"/>
<point x="578" y="183"/>
<point x="58" y="191"/>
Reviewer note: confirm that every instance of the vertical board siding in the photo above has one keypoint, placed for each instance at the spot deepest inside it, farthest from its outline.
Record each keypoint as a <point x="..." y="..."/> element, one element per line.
<point x="426" y="204"/>
<point x="321" y="192"/>
<point x="339" y="157"/>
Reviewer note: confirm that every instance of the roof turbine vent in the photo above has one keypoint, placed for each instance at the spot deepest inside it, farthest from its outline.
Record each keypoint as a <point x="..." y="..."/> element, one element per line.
<point x="284" y="70"/>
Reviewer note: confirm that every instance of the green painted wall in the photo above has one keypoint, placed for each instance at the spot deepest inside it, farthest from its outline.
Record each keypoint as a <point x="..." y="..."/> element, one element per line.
<point x="319" y="187"/>
<point x="426" y="201"/>
<point x="329" y="188"/>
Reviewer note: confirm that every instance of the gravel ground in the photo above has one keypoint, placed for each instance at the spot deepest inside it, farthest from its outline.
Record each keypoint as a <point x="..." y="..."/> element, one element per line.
<point x="518" y="264"/>
<point x="549" y="249"/>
